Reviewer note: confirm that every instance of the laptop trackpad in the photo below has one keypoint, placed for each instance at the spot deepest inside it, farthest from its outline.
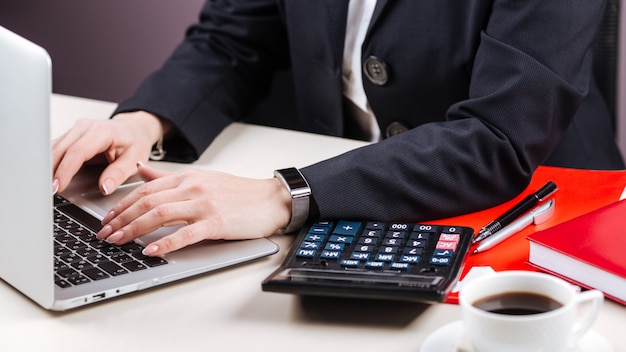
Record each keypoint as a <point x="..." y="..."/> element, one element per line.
<point x="95" y="202"/>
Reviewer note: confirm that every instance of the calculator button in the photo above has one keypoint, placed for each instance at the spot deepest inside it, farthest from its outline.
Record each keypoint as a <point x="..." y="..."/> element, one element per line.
<point x="375" y="265"/>
<point x="443" y="253"/>
<point x="396" y="234"/>
<point x="413" y="251"/>
<point x="368" y="241"/>
<point x="450" y="237"/>
<point x="399" y="227"/>
<point x="375" y="225"/>
<point x="392" y="242"/>
<point x="319" y="229"/>
<point x="440" y="260"/>
<point x="360" y="256"/>
<point x="364" y="248"/>
<point x="310" y="245"/>
<point x="446" y="245"/>
<point x="373" y="233"/>
<point x="335" y="247"/>
<point x="347" y="263"/>
<point x="421" y="235"/>
<point x="383" y="257"/>
<point x="413" y="259"/>
<point x="399" y="266"/>
<point x="350" y="228"/>
<point x="388" y="249"/>
<point x="451" y="229"/>
<point x="417" y="243"/>
<point x="326" y="254"/>
<point x="306" y="253"/>
<point x="341" y="239"/>
<point x="313" y="237"/>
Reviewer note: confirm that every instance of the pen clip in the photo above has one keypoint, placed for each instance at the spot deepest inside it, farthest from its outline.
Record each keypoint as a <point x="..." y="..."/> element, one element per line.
<point x="543" y="212"/>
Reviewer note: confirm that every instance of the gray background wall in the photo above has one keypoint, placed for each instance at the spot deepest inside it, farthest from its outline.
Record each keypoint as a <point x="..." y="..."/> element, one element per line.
<point x="101" y="49"/>
<point x="104" y="49"/>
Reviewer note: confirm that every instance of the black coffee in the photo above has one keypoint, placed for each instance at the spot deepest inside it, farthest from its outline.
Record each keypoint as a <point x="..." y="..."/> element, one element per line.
<point x="517" y="303"/>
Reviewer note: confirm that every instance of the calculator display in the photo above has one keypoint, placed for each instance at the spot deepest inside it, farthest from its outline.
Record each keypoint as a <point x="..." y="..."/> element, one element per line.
<point x="415" y="262"/>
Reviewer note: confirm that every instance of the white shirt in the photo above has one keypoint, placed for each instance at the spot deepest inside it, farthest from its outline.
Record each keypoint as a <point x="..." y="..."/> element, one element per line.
<point x="359" y="17"/>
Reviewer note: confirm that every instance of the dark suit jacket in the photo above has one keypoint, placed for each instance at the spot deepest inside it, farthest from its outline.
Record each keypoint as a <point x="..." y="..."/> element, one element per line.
<point x="490" y="89"/>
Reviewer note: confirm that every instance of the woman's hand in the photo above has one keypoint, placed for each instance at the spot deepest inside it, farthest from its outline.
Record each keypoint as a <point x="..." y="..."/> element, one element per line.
<point x="210" y="205"/>
<point x="122" y="141"/>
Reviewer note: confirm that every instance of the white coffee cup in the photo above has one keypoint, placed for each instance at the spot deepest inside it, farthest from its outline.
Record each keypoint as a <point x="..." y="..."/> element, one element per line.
<point x="552" y="330"/>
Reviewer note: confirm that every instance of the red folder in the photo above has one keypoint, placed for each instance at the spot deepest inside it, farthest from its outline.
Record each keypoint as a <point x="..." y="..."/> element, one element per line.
<point x="579" y="192"/>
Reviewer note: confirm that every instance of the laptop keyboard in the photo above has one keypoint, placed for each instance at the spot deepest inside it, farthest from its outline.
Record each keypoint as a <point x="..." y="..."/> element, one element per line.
<point x="80" y="257"/>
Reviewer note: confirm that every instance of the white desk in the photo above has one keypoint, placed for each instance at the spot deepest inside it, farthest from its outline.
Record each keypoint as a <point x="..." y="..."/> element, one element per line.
<point x="226" y="310"/>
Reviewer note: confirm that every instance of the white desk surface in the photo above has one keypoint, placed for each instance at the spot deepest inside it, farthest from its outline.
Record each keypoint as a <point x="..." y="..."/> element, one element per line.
<point x="226" y="310"/>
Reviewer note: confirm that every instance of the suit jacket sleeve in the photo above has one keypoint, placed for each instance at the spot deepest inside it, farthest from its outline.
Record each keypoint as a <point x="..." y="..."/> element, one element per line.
<point x="216" y="75"/>
<point x="531" y="70"/>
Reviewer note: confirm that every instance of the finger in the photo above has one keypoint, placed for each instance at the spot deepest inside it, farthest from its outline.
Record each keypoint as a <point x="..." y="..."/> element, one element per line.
<point x="120" y="169"/>
<point x="148" y="173"/>
<point x="183" y="237"/>
<point x="137" y="197"/>
<point x="148" y="207"/>
<point x="131" y="227"/>
<point x="75" y="155"/>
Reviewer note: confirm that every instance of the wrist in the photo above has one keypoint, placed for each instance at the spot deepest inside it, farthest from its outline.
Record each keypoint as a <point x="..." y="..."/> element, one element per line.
<point x="155" y="129"/>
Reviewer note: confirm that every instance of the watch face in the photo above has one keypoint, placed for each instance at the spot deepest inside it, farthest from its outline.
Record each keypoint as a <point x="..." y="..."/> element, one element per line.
<point x="294" y="179"/>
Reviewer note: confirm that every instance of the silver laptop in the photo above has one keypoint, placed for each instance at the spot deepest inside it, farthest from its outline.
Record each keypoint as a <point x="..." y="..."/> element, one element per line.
<point x="84" y="270"/>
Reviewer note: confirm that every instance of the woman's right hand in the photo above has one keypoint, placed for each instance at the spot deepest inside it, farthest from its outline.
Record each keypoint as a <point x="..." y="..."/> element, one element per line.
<point x="122" y="141"/>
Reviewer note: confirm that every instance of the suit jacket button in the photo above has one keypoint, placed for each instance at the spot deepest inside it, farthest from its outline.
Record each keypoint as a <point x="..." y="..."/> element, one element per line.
<point x="376" y="71"/>
<point x="395" y="128"/>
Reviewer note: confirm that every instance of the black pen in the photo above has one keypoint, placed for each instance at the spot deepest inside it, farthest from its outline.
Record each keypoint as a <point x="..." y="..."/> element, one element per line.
<point x="520" y="208"/>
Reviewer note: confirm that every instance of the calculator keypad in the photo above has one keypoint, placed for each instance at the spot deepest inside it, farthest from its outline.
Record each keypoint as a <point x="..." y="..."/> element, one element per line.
<point x="379" y="246"/>
<point x="374" y="259"/>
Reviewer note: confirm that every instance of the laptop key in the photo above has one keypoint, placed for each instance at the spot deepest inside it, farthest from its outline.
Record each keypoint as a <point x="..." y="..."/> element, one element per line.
<point x="150" y="261"/>
<point x="78" y="280"/>
<point x="112" y="268"/>
<point x="95" y="273"/>
<point x="132" y="247"/>
<point x="62" y="283"/>
<point x="134" y="266"/>
<point x="67" y="272"/>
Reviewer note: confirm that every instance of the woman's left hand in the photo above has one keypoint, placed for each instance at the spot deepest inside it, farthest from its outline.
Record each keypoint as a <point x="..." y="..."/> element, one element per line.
<point x="210" y="205"/>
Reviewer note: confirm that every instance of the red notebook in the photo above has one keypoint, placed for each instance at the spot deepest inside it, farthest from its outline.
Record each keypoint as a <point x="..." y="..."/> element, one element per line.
<point x="589" y="250"/>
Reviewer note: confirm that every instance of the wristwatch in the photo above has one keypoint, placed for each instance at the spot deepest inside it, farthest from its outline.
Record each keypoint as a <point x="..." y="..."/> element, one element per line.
<point x="300" y="193"/>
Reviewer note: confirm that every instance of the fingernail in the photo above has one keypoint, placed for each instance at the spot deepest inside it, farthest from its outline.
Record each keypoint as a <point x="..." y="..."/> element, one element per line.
<point x="110" y="215"/>
<point x="150" y="250"/>
<point x="55" y="186"/>
<point x="104" y="232"/>
<point x="115" y="237"/>
<point x="140" y="164"/>
<point x="108" y="186"/>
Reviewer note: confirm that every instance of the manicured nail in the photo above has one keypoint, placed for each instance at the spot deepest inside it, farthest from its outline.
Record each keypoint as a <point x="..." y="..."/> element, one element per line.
<point x="110" y="215"/>
<point x="55" y="186"/>
<point x="150" y="250"/>
<point x="108" y="186"/>
<point x="115" y="237"/>
<point x="104" y="232"/>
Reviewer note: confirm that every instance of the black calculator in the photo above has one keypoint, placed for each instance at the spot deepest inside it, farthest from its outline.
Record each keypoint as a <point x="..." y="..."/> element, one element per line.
<point x="397" y="261"/>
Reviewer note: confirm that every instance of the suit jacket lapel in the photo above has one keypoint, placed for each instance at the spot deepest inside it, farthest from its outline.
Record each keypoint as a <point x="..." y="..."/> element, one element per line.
<point x="336" y="14"/>
<point x="380" y="6"/>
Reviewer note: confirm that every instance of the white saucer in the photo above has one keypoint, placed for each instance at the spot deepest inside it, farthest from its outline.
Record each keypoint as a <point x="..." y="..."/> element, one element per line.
<point x="449" y="338"/>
